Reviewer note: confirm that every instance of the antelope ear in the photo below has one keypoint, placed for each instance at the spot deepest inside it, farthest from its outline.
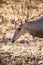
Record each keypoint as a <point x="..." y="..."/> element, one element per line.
<point x="21" y="23"/>
<point x="13" y="22"/>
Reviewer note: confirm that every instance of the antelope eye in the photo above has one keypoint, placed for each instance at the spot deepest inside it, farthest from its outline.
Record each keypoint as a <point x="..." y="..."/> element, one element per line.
<point x="19" y="28"/>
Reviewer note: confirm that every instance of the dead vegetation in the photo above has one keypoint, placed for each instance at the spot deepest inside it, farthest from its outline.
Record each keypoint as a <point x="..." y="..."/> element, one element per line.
<point x="23" y="51"/>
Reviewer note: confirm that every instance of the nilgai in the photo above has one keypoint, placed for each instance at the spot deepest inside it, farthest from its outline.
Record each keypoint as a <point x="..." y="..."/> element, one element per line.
<point x="33" y="26"/>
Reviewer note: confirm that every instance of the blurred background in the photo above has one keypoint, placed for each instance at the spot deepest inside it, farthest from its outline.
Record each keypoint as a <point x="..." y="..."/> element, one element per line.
<point x="24" y="52"/>
<point x="17" y="10"/>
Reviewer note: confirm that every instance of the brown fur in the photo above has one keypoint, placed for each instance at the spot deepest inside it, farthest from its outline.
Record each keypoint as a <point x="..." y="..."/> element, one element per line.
<point x="34" y="27"/>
